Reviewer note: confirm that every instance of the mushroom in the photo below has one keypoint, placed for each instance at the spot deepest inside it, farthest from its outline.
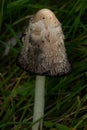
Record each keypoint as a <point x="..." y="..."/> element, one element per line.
<point x="43" y="54"/>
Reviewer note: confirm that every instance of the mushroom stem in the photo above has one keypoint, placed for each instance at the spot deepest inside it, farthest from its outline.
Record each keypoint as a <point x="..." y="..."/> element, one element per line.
<point x="39" y="103"/>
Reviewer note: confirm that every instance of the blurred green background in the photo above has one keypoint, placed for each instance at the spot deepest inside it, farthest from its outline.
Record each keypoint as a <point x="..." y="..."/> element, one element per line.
<point x="66" y="97"/>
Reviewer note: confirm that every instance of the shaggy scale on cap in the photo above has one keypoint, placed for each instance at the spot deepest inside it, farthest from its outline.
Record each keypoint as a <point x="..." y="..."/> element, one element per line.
<point x="43" y="51"/>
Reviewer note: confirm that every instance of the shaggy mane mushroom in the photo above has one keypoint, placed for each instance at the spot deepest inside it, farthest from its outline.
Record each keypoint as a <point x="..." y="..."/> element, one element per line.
<point x="43" y="54"/>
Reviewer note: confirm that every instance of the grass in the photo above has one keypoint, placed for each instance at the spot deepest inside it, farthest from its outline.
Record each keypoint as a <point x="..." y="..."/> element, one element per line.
<point x="66" y="97"/>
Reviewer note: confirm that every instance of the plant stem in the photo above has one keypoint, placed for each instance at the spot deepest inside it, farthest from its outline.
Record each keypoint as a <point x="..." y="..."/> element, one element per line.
<point x="39" y="103"/>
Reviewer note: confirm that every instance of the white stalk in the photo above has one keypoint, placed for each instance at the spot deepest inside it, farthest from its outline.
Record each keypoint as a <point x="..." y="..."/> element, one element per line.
<point x="39" y="103"/>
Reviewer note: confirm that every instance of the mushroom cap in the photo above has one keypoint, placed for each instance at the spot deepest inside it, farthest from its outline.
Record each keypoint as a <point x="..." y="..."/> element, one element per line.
<point x="43" y="51"/>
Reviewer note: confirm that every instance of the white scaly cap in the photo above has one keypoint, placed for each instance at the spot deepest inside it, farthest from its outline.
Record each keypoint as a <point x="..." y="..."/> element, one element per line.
<point x="43" y="50"/>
